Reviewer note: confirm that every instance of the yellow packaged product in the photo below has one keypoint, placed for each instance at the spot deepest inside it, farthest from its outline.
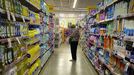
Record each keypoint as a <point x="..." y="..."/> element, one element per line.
<point x="35" y="3"/>
<point x="25" y="11"/>
<point x="32" y="33"/>
<point x="131" y="6"/>
<point x="34" y="67"/>
<point x="37" y="18"/>
<point x="22" y="67"/>
<point x="34" y="53"/>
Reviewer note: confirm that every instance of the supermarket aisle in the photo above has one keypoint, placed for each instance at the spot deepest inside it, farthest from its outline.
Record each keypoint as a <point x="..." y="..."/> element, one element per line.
<point x="59" y="63"/>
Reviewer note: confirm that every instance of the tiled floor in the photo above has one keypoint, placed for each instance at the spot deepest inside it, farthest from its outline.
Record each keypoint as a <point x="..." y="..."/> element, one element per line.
<point x="59" y="63"/>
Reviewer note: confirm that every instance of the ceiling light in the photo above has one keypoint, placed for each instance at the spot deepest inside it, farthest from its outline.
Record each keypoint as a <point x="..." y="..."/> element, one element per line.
<point x="45" y="4"/>
<point x="74" y="5"/>
<point x="61" y="15"/>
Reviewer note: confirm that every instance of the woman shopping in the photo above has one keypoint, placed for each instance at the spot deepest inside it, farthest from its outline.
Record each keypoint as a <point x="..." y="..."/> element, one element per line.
<point x="73" y="40"/>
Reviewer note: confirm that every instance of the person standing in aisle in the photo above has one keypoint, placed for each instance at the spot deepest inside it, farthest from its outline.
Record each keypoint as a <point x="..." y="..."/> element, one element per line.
<point x="73" y="40"/>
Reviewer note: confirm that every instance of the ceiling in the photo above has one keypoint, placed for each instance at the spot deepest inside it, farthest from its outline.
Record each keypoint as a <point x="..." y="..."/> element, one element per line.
<point x="67" y="5"/>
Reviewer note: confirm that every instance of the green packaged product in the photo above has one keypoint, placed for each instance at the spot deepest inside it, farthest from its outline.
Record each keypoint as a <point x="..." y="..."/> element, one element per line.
<point x="10" y="55"/>
<point x="2" y="48"/>
<point x="2" y="4"/>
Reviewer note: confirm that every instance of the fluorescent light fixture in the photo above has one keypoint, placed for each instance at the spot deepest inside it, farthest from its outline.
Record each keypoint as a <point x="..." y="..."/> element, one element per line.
<point x="62" y="15"/>
<point x="71" y="15"/>
<point x="45" y="4"/>
<point x="74" y="5"/>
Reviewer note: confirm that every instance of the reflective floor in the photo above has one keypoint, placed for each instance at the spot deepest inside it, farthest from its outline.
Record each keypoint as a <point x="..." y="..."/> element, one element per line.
<point x="59" y="63"/>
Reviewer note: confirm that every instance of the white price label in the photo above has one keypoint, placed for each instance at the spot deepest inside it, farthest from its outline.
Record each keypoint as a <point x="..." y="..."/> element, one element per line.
<point x="8" y="15"/>
<point x="9" y="42"/>
<point x="12" y="14"/>
<point x="133" y="44"/>
<point x="23" y="19"/>
<point x="18" y="40"/>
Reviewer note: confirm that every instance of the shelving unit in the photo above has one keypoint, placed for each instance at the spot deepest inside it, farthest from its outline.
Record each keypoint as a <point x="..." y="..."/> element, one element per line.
<point x="2" y="11"/>
<point x="107" y="40"/>
<point x="7" y="67"/>
<point x="58" y="37"/>
<point x="22" y="42"/>
<point x="31" y="6"/>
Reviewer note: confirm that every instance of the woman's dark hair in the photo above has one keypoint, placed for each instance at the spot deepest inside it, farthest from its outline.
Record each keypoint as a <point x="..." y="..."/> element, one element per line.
<point x="73" y="26"/>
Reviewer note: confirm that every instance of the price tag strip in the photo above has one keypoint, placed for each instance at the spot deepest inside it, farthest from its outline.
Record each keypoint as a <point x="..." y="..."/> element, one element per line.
<point x="23" y="19"/>
<point x="12" y="14"/>
<point x="133" y="44"/>
<point x="8" y="15"/>
<point x="9" y="42"/>
<point x="18" y="40"/>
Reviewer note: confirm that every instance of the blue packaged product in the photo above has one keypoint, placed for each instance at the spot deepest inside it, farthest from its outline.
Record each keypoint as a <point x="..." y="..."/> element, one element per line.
<point x="124" y="30"/>
<point x="106" y="57"/>
<point x="110" y="12"/>
<point x="131" y="32"/>
<point x="127" y="32"/>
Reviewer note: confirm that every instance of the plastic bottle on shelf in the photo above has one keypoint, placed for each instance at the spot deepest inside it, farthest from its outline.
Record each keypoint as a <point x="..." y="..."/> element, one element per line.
<point x="12" y="33"/>
<point x="5" y="54"/>
<point x="10" y="55"/>
<point x="16" y="50"/>
<point x="8" y="30"/>
<point x="105" y="42"/>
<point x="2" y="48"/>
<point x="4" y="29"/>
<point x="1" y="29"/>
<point x="1" y="3"/>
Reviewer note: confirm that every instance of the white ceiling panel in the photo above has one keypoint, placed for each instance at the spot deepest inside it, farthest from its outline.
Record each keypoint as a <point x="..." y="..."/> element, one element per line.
<point x="67" y="5"/>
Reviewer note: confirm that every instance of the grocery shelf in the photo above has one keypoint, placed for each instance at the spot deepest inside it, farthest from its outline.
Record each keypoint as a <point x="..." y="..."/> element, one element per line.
<point x="31" y="6"/>
<point x="35" y="24"/>
<point x="129" y="38"/>
<point x="118" y="56"/>
<point x="112" y="19"/>
<point x="36" y="42"/>
<point x="131" y="15"/>
<point x="44" y="53"/>
<point x="115" y="1"/>
<point x="115" y="30"/>
<point x="17" y="16"/>
<point x="92" y="63"/>
<point x="106" y="20"/>
<point x="12" y="38"/>
<point x="41" y="68"/>
<point x="109" y="67"/>
<point x="7" y="67"/>
<point x="2" y="11"/>
<point x="125" y="38"/>
<point x="31" y="63"/>
<point x="25" y="40"/>
<point x="20" y="17"/>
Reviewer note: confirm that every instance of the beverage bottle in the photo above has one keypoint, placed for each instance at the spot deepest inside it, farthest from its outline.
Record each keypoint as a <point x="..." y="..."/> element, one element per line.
<point x="2" y="48"/>
<point x="18" y="29"/>
<point x="15" y="30"/>
<point x="11" y="30"/>
<point x="5" y="54"/>
<point x="8" y="29"/>
<point x="105" y="42"/>
<point x="15" y="50"/>
<point x="10" y="55"/>
<point x="1" y="29"/>
<point x="5" y="30"/>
